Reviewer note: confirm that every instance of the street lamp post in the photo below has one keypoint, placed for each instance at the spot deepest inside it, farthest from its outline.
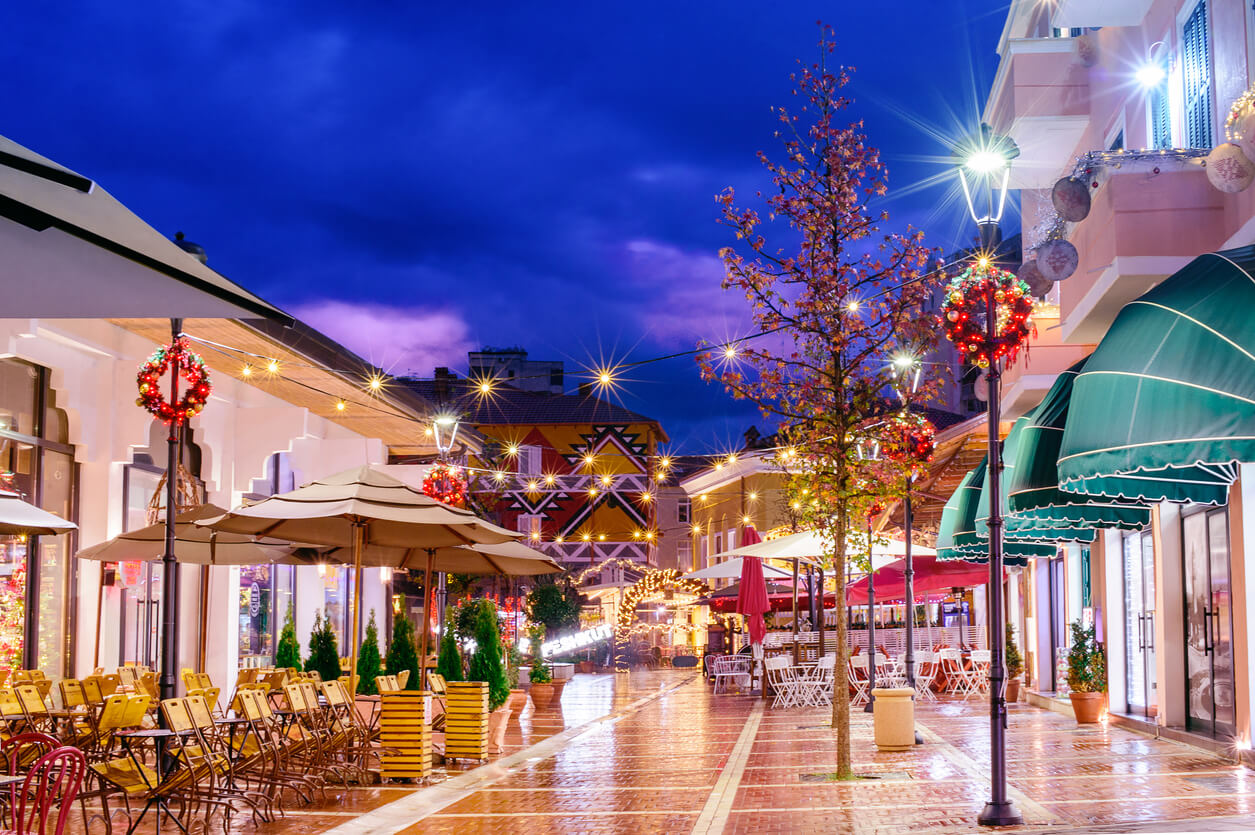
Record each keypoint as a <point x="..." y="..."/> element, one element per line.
<point x="444" y="429"/>
<point x="984" y="170"/>
<point x="907" y="372"/>
<point x="869" y="450"/>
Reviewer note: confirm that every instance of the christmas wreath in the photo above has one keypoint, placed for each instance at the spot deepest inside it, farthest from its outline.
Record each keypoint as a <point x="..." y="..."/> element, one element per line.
<point x="444" y="483"/>
<point x="966" y="306"/>
<point x="912" y="437"/>
<point x="191" y="369"/>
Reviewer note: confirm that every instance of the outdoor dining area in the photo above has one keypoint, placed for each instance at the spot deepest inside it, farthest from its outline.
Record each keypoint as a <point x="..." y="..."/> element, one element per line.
<point x="795" y="667"/>
<point x="133" y="743"/>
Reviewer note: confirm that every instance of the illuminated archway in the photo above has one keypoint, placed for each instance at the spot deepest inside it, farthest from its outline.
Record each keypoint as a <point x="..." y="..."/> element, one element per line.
<point x="653" y="586"/>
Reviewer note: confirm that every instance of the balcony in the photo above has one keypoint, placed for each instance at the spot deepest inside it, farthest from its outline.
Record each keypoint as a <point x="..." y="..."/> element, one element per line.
<point x="1142" y="228"/>
<point x="1040" y="98"/>
<point x="1093" y="14"/>
<point x="1026" y="382"/>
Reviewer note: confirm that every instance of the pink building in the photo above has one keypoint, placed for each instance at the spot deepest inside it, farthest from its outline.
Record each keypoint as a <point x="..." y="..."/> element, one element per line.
<point x="1129" y="96"/>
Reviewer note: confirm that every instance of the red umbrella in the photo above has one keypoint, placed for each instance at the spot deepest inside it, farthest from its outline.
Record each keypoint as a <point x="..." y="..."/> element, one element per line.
<point x="752" y="602"/>
<point x="931" y="575"/>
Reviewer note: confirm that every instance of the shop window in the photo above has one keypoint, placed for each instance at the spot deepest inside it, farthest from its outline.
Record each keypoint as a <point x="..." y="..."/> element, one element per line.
<point x="266" y="593"/>
<point x="684" y="511"/>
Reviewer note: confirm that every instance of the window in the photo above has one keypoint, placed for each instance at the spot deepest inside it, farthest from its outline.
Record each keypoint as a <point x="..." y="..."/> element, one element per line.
<point x="1073" y="32"/>
<point x="555" y="378"/>
<point x="1196" y="74"/>
<point x="530" y="525"/>
<point x="1160" y="116"/>
<point x="684" y="555"/>
<point x="684" y="511"/>
<point x="529" y="460"/>
<point x="1117" y="144"/>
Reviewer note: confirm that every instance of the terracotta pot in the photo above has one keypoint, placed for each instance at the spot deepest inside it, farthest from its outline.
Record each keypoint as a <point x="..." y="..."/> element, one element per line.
<point x="543" y="694"/>
<point x="558" y="685"/>
<point x="1013" y="690"/>
<point x="584" y="666"/>
<point x="517" y="700"/>
<point x="1086" y="706"/>
<point x="497" y="721"/>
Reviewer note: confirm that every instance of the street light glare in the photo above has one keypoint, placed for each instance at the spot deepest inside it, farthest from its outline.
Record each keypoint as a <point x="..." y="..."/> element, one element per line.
<point x="985" y="161"/>
<point x="1150" y="75"/>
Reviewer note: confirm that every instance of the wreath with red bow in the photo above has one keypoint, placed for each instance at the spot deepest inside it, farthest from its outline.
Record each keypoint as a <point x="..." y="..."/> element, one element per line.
<point x="966" y="305"/>
<point x="445" y="483"/>
<point x="193" y="372"/>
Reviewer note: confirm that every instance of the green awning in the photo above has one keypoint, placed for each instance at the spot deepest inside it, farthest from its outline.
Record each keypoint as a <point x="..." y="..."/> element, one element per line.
<point x="957" y="538"/>
<point x="1012" y="529"/>
<point x="1165" y="407"/>
<point x="1034" y="501"/>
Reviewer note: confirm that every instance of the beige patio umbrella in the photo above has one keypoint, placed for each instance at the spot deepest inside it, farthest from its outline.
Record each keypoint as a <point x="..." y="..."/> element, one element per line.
<point x="511" y="559"/>
<point x="194" y="544"/>
<point x="20" y="517"/>
<point x="359" y="508"/>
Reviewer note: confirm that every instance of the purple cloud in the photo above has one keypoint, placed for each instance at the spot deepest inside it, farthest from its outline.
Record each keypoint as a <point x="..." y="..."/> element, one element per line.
<point x="397" y="339"/>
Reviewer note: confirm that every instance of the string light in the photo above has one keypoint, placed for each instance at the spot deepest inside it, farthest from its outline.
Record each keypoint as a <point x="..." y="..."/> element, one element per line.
<point x="732" y="458"/>
<point x="649" y="535"/>
<point x="697" y="529"/>
<point x="498" y="476"/>
<point x="592" y="491"/>
<point x="665" y="463"/>
<point x="745" y="520"/>
<point x="341" y="405"/>
<point x="753" y="497"/>
<point x="606" y="480"/>
<point x="532" y="486"/>
<point x="589" y="459"/>
<point x="549" y="479"/>
<point x="645" y="497"/>
<point x="246" y="371"/>
<point x="512" y="450"/>
<point x="852" y="306"/>
<point x="602" y="537"/>
<point x="273" y="366"/>
<point x="587" y="537"/>
<point x="375" y="383"/>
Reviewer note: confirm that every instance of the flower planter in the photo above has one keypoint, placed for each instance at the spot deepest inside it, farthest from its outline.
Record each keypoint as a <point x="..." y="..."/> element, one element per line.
<point x="466" y="720"/>
<point x="558" y="685"/>
<point x="497" y="721"/>
<point x="1013" y="690"/>
<point x="517" y="700"/>
<point x="1087" y="707"/>
<point x="584" y="667"/>
<point x="543" y="694"/>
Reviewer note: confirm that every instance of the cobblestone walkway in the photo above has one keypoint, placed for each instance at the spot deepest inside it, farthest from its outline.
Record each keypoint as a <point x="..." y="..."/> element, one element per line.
<point x="657" y="752"/>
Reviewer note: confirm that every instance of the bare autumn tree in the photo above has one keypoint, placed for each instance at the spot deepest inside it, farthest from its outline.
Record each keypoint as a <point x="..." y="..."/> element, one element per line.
<point x="837" y="298"/>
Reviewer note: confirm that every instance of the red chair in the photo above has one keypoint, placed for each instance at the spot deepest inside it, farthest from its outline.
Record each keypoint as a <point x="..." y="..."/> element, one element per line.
<point x="56" y="778"/>
<point x="19" y="753"/>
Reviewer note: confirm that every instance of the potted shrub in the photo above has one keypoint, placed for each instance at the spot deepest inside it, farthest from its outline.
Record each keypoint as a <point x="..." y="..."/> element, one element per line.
<point x="449" y="662"/>
<point x="324" y="655"/>
<point x="1015" y="667"/>
<point x="369" y="667"/>
<point x="518" y="696"/>
<point x="486" y="666"/>
<point x="1087" y="674"/>
<point x="542" y="681"/>
<point x="288" y="651"/>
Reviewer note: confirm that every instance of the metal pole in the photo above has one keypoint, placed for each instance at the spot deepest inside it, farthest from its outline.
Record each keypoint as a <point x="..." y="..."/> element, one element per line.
<point x="428" y="598"/>
<point x="170" y="568"/>
<point x="909" y="577"/>
<point x="821" y="612"/>
<point x="999" y="811"/>
<point x="796" y="655"/>
<point x="355" y="604"/>
<point x="871" y="623"/>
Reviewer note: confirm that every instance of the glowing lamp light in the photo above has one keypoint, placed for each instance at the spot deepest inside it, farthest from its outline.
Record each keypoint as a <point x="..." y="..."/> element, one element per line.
<point x="697" y="529"/>
<point x="589" y="459"/>
<point x="753" y="497"/>
<point x="592" y="491"/>
<point x="341" y="405"/>
<point x="602" y="537"/>
<point x="375" y="383"/>
<point x="273" y="366"/>
<point x="984" y="161"/>
<point x="745" y="520"/>
<point x="636" y="534"/>
<point x="485" y="387"/>
<point x="1150" y="75"/>
<point x="587" y="537"/>
<point x="246" y="371"/>
<point x="549" y="479"/>
<point x="649" y="535"/>
<point x="645" y="497"/>
<point x="512" y="450"/>
<point x="605" y="479"/>
<point x="535" y="536"/>
<point x="730" y="352"/>
<point x="665" y="463"/>
<point x="532" y="485"/>
<point x="983" y="262"/>
<point x="498" y="476"/>
<point x="852" y="306"/>
<point x="445" y="428"/>
<point x="732" y="458"/>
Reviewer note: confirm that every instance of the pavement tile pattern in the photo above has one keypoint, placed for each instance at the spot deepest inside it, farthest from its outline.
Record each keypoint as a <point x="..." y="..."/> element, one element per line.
<point x="673" y="757"/>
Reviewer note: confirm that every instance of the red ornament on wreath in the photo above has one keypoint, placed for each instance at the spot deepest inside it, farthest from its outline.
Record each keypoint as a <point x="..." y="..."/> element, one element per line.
<point x="966" y="306"/>
<point x="445" y="483"/>
<point x="913" y="438"/>
<point x="195" y="386"/>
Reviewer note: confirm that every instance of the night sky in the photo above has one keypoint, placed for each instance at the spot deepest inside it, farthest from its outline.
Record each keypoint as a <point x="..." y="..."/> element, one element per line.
<point x="418" y="179"/>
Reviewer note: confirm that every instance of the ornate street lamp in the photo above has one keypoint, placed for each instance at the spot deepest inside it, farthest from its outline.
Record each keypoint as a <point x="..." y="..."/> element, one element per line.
<point x="984" y="166"/>
<point x="445" y="430"/>
<point x="906" y="375"/>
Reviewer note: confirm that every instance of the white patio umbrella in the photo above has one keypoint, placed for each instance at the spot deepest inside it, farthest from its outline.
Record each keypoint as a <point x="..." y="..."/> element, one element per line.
<point x="359" y="508"/>
<point x="510" y="559"/>
<point x="20" y="517"/>
<point x="730" y="569"/>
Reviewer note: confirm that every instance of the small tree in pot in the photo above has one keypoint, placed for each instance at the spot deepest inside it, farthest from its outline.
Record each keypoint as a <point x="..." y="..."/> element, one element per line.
<point x="288" y="652"/>
<point x="542" y="679"/>
<point x="1087" y="674"/>
<point x="1015" y="666"/>
<point x="449" y="663"/>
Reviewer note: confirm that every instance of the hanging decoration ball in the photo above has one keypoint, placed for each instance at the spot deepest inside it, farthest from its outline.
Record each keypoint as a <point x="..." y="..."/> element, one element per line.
<point x="1057" y="259"/>
<point x="978" y="286"/>
<point x="194" y="377"/>
<point x="1071" y="199"/>
<point x="446" y="483"/>
<point x="911" y="437"/>
<point x="1037" y="283"/>
<point x="1228" y="169"/>
<point x="1239" y="126"/>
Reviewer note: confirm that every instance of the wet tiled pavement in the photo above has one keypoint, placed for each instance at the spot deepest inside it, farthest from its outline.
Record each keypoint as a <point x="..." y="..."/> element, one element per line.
<point x="657" y="752"/>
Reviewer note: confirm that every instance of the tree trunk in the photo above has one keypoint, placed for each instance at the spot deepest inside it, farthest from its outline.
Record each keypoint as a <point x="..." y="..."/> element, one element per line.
<point x="841" y="684"/>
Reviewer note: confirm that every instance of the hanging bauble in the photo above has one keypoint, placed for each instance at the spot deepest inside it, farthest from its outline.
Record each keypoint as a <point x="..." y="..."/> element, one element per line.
<point x="1087" y="49"/>
<point x="1057" y="259"/>
<point x="1071" y="200"/>
<point x="445" y="483"/>
<point x="1228" y="169"/>
<point x="1038" y="284"/>
<point x="909" y="437"/>
<point x="192" y="374"/>
<point x="1239" y="126"/>
<point x="978" y="286"/>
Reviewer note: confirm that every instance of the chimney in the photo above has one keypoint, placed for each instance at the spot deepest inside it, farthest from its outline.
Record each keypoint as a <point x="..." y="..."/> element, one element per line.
<point x="586" y="390"/>
<point x="443" y="379"/>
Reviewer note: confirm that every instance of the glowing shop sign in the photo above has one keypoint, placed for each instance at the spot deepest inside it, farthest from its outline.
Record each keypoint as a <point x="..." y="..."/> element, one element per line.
<point x="570" y="643"/>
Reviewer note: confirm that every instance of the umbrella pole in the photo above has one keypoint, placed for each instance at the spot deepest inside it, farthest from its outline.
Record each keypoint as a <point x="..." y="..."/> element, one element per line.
<point x="822" y="617"/>
<point x="796" y="655"/>
<point x="100" y="602"/>
<point x="169" y="568"/>
<point x="204" y="613"/>
<point x="427" y="597"/>
<point x="355" y="602"/>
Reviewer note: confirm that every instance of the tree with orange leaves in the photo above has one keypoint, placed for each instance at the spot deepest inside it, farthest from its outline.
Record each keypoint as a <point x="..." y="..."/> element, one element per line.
<point x="835" y="306"/>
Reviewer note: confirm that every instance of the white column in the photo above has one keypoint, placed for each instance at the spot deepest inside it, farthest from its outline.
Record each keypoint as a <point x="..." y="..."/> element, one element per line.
<point x="1113" y="617"/>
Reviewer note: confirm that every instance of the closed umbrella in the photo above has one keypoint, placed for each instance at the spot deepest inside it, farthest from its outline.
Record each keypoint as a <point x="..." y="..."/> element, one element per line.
<point x="19" y="517"/>
<point x="753" y="603"/>
<point x="364" y="507"/>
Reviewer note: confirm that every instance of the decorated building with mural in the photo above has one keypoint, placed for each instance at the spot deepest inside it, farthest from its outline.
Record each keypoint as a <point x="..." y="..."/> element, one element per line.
<point x="579" y="474"/>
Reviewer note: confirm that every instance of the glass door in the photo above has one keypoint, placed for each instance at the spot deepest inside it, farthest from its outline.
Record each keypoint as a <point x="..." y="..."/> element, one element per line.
<point x="1139" y="623"/>
<point x="1208" y="623"/>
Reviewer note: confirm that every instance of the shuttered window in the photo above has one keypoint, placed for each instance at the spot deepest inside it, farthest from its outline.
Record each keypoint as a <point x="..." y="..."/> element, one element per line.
<point x="1160" y="118"/>
<point x="1196" y="73"/>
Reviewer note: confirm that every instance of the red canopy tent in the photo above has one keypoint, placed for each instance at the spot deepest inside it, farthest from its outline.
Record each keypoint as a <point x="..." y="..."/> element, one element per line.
<point x="779" y="596"/>
<point x="931" y="575"/>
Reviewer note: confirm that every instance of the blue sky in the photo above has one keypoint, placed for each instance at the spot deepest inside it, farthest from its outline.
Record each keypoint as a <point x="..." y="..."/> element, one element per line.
<point x="420" y="179"/>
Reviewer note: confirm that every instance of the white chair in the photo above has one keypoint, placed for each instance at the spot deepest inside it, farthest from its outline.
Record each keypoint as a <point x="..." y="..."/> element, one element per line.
<point x="961" y="680"/>
<point x="783" y="681"/>
<point x="980" y="670"/>
<point x="858" y="677"/>
<point x="817" y="684"/>
<point x="731" y="668"/>
<point x="925" y="674"/>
